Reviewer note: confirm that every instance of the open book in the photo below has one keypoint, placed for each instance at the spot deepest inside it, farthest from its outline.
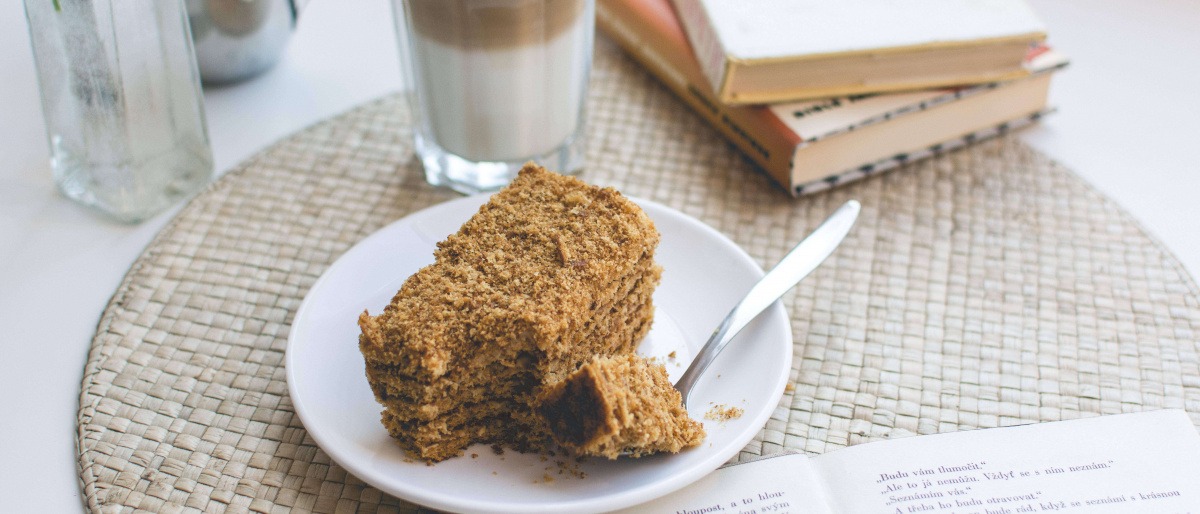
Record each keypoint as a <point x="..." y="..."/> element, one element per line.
<point x="1144" y="462"/>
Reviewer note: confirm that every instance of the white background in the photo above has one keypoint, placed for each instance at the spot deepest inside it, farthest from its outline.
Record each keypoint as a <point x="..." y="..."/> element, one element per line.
<point x="1129" y="123"/>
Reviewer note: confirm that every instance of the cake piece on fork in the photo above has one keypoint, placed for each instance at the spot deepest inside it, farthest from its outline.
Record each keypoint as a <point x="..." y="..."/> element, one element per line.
<point x="619" y="405"/>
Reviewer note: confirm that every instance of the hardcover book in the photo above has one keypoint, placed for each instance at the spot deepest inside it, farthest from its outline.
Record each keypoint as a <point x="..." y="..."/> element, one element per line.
<point x="810" y="146"/>
<point x="777" y="50"/>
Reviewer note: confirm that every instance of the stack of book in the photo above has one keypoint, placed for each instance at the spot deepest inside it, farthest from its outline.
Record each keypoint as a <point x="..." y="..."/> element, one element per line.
<point x="822" y="93"/>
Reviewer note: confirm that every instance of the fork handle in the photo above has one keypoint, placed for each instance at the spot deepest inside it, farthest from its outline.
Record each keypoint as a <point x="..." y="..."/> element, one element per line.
<point x="794" y="266"/>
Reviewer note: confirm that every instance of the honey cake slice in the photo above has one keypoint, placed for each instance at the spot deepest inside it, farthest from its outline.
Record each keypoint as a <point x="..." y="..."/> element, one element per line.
<point x="547" y="274"/>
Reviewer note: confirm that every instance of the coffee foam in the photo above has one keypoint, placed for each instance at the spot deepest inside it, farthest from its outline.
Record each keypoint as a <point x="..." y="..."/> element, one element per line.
<point x="492" y="24"/>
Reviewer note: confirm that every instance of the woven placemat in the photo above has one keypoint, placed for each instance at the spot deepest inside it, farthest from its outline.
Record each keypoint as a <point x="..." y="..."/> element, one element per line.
<point x="981" y="288"/>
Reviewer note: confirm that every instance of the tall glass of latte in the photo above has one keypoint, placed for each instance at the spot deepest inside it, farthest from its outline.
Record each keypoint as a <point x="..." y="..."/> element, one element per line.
<point x="495" y="83"/>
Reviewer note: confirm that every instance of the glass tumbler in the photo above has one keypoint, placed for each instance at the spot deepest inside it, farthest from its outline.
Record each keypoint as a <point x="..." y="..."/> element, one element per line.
<point x="495" y="83"/>
<point x="122" y="102"/>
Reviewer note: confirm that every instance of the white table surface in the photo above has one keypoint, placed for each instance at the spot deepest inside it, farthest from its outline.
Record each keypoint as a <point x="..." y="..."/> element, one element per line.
<point x="1129" y="123"/>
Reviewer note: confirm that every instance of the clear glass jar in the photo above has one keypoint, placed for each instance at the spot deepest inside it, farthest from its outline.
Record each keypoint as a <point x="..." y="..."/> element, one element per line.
<point x="122" y="102"/>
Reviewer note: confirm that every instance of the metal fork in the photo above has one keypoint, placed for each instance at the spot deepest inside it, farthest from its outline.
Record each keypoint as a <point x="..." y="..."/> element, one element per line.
<point x="794" y="266"/>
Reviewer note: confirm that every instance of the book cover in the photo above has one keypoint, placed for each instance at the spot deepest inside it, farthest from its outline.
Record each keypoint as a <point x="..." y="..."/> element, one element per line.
<point x="778" y="50"/>
<point x="811" y="146"/>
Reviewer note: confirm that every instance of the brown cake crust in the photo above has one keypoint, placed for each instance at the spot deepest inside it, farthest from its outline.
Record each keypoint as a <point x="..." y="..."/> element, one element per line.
<point x="619" y="405"/>
<point x="547" y="274"/>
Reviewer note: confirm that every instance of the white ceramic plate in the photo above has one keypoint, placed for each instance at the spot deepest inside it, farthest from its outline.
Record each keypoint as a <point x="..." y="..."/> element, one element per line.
<point x="704" y="275"/>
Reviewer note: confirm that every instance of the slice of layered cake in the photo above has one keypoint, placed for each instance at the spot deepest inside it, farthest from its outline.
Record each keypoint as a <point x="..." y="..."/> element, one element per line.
<point x="620" y="405"/>
<point x="549" y="273"/>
